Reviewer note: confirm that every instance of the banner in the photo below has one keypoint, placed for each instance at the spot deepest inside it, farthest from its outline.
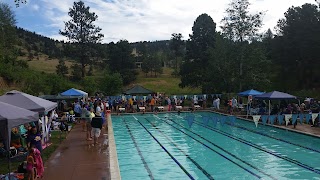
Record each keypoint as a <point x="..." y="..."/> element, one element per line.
<point x="205" y="120"/>
<point x="294" y="118"/>
<point x="264" y="119"/>
<point x="301" y="116"/>
<point x="272" y="118"/>
<point x="314" y="116"/>
<point x="287" y="118"/>
<point x="280" y="119"/>
<point x="256" y="119"/>
<point x="308" y="117"/>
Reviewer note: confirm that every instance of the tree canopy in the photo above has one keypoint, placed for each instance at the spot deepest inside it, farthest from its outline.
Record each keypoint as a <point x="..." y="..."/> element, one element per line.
<point x="194" y="69"/>
<point x="81" y="31"/>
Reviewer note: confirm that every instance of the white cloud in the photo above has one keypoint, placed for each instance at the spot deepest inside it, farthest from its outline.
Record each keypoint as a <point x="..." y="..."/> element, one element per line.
<point x="139" y="20"/>
<point x="35" y="7"/>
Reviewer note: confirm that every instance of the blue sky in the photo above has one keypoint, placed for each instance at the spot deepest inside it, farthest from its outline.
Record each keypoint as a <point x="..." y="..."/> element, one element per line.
<point x="139" y="20"/>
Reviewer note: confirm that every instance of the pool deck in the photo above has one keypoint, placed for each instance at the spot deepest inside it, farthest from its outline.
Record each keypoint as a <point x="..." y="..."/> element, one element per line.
<point x="77" y="159"/>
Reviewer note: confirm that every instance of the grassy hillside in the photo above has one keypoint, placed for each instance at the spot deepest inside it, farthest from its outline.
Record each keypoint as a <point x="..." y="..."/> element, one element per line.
<point x="43" y="63"/>
<point x="164" y="83"/>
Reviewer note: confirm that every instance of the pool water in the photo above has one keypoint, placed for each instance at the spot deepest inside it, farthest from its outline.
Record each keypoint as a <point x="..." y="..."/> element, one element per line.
<point x="164" y="146"/>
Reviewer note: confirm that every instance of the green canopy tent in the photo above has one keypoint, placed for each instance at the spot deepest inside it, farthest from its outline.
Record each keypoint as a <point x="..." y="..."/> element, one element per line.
<point x="138" y="90"/>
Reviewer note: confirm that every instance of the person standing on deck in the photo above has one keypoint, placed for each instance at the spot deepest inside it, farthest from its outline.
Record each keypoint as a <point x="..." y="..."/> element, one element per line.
<point x="77" y="110"/>
<point x="152" y="103"/>
<point x="169" y="103"/>
<point x="96" y="125"/>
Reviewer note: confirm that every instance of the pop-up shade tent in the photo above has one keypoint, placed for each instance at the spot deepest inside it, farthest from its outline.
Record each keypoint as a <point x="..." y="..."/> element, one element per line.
<point x="74" y="92"/>
<point x="28" y="101"/>
<point x="32" y="103"/>
<point x="250" y="92"/>
<point x="137" y="89"/>
<point x="13" y="116"/>
<point x="275" y="95"/>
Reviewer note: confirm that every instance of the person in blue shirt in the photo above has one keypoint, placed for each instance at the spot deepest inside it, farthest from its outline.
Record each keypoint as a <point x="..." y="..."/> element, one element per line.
<point x="77" y="110"/>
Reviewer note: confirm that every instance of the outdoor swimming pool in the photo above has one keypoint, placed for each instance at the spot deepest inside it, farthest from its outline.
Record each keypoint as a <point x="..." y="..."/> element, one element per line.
<point x="163" y="146"/>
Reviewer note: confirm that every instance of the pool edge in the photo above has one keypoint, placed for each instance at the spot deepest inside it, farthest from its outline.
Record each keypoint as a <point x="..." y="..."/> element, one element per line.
<point x="113" y="156"/>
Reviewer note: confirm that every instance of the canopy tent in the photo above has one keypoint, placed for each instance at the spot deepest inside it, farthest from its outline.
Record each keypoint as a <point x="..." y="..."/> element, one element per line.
<point x="74" y="92"/>
<point x="28" y="101"/>
<point x="137" y="89"/>
<point x="56" y="98"/>
<point x="274" y="95"/>
<point x="13" y="116"/>
<point x="250" y="92"/>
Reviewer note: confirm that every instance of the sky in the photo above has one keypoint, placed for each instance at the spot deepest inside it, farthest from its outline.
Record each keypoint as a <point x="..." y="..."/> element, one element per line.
<point x="140" y="20"/>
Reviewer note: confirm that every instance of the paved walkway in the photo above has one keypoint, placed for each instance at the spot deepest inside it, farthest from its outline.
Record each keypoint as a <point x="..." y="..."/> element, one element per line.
<point x="77" y="159"/>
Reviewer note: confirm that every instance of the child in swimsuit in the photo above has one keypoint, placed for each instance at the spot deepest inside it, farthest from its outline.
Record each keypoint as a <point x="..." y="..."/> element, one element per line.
<point x="30" y="166"/>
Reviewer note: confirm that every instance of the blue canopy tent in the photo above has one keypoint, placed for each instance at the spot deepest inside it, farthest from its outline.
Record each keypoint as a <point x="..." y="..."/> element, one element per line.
<point x="74" y="92"/>
<point x="250" y="92"/>
<point x="275" y="95"/>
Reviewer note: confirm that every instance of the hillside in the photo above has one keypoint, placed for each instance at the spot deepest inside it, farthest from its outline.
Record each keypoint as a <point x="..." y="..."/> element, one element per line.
<point x="42" y="54"/>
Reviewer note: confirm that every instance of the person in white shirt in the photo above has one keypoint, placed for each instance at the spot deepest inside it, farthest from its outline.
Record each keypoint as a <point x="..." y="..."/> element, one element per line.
<point x="98" y="108"/>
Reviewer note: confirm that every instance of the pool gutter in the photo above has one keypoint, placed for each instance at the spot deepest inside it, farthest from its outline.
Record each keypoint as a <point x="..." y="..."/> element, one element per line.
<point x="113" y="157"/>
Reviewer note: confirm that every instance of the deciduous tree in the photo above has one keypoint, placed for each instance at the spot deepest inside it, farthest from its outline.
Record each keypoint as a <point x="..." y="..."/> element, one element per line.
<point x="239" y="26"/>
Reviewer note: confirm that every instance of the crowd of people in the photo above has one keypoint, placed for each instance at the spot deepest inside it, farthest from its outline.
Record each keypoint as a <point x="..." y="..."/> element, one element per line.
<point x="26" y="142"/>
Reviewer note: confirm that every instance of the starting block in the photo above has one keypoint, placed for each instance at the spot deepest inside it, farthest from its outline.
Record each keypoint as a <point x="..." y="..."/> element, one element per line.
<point x="197" y="107"/>
<point x="142" y="108"/>
<point x="160" y="108"/>
<point x="122" y="109"/>
<point x="179" y="107"/>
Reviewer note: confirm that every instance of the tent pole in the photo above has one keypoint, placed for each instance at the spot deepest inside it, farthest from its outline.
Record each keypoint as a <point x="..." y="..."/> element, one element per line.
<point x="8" y="149"/>
<point x="269" y="107"/>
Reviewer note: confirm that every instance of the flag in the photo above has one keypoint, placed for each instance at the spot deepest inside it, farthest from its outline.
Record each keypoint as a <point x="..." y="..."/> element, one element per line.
<point x="314" y="116"/>
<point x="256" y="119"/>
<point x="264" y="119"/>
<point x="280" y="119"/>
<point x="272" y="118"/>
<point x="301" y="116"/>
<point x="294" y="118"/>
<point x="287" y="118"/>
<point x="308" y="117"/>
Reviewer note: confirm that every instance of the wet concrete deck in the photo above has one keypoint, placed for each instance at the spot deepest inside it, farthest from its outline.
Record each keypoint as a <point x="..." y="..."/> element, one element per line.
<point x="77" y="159"/>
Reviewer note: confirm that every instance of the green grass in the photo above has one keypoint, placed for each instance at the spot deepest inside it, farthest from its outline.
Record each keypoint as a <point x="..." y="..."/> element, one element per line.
<point x="46" y="153"/>
<point x="164" y="83"/>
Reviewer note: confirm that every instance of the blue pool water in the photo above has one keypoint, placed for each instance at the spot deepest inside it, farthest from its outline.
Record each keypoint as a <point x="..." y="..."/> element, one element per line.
<point x="163" y="146"/>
